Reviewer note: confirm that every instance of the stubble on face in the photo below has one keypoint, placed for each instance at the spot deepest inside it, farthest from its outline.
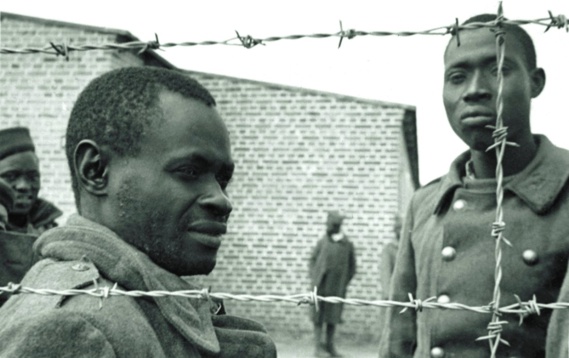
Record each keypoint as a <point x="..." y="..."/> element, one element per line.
<point x="146" y="225"/>
<point x="147" y="232"/>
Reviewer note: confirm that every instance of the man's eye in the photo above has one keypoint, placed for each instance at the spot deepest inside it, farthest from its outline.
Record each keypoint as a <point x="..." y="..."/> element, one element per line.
<point x="505" y="71"/>
<point x="187" y="171"/>
<point x="33" y="176"/>
<point x="456" y="77"/>
<point x="9" y="176"/>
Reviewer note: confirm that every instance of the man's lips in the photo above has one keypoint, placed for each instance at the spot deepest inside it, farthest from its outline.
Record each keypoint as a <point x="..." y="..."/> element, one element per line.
<point x="477" y="118"/>
<point x="23" y="201"/>
<point x="208" y="233"/>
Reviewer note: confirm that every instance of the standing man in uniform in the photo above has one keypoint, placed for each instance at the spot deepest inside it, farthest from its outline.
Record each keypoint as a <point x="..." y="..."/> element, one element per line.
<point x="447" y="250"/>
<point x="150" y="160"/>
<point x="19" y="167"/>
<point x="332" y="267"/>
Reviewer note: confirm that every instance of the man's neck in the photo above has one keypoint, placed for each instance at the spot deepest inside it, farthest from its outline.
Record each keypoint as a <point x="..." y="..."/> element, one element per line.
<point x="18" y="220"/>
<point x="514" y="161"/>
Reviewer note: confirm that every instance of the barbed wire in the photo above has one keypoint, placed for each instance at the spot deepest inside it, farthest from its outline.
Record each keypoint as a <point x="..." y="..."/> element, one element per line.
<point x="500" y="134"/>
<point x="495" y="327"/>
<point x="312" y="298"/>
<point x="64" y="49"/>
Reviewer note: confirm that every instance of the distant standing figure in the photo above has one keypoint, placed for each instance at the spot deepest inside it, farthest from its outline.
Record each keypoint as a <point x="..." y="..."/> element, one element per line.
<point x="388" y="255"/>
<point x="19" y="167"/>
<point x="332" y="266"/>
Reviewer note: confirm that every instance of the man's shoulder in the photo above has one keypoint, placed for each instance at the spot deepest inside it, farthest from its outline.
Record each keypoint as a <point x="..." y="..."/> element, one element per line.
<point x="58" y="304"/>
<point x="63" y="286"/>
<point x="428" y="191"/>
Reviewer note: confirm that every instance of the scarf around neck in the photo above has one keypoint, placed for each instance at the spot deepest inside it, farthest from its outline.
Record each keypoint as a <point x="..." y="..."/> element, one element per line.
<point x="130" y="268"/>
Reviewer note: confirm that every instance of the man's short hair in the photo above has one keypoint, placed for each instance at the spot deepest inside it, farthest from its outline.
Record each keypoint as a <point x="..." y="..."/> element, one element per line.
<point x="517" y="31"/>
<point x="116" y="107"/>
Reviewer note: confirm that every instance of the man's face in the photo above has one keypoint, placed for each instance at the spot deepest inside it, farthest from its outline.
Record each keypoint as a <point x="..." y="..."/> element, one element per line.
<point x="170" y="200"/>
<point x="333" y="225"/>
<point x="470" y="88"/>
<point x="21" y="172"/>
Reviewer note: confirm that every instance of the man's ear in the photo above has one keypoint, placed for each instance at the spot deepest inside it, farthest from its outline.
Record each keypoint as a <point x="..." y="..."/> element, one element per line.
<point x="537" y="77"/>
<point x="91" y="167"/>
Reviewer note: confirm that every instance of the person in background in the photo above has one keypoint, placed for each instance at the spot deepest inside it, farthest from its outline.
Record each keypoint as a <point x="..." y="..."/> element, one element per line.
<point x="16" y="254"/>
<point x="388" y="255"/>
<point x="150" y="162"/>
<point x="19" y="167"/>
<point x="6" y="203"/>
<point x="332" y="266"/>
<point x="447" y="250"/>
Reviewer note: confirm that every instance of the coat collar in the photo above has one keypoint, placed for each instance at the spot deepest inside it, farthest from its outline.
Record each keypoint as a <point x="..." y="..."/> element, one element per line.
<point x="538" y="185"/>
<point x="130" y="268"/>
<point x="42" y="213"/>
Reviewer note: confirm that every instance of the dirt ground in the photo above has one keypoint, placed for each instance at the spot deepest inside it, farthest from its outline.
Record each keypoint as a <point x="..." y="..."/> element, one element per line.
<point x="303" y="347"/>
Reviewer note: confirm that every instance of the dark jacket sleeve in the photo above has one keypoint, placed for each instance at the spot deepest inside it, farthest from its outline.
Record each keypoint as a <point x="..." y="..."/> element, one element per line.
<point x="557" y="340"/>
<point x="399" y="334"/>
<point x="312" y="261"/>
<point x="352" y="263"/>
<point x="241" y="337"/>
<point x="387" y="265"/>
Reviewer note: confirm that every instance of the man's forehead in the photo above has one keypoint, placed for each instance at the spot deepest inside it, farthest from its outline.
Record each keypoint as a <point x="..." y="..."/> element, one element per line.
<point x="483" y="40"/>
<point x="23" y="160"/>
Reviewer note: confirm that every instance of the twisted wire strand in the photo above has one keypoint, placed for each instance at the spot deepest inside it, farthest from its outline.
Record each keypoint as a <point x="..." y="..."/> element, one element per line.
<point x="250" y="41"/>
<point x="107" y="292"/>
<point x="495" y="326"/>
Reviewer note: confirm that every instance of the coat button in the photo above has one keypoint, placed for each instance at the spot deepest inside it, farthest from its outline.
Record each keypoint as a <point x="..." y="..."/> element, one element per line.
<point x="449" y="253"/>
<point x="530" y="257"/>
<point x="459" y="204"/>
<point x="437" y="352"/>
<point x="80" y="267"/>
<point x="443" y="299"/>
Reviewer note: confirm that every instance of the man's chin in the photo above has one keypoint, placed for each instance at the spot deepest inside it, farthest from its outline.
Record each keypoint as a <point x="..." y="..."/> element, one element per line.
<point x="194" y="268"/>
<point x="20" y="211"/>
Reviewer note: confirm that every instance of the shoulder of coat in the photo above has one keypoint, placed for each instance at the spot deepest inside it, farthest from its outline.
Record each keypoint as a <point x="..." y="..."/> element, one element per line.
<point x="53" y="275"/>
<point x="62" y="274"/>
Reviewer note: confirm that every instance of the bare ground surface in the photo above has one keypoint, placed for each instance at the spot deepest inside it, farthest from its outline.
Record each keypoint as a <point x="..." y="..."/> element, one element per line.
<point x="303" y="347"/>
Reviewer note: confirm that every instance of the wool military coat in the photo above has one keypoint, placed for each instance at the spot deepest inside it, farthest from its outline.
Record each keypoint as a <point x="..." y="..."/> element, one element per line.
<point x="85" y="255"/>
<point x="332" y="266"/>
<point x="447" y="254"/>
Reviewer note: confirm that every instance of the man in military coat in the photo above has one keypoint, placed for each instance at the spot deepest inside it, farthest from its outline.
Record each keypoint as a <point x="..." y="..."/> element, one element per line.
<point x="150" y="160"/>
<point x="332" y="266"/>
<point x="447" y="252"/>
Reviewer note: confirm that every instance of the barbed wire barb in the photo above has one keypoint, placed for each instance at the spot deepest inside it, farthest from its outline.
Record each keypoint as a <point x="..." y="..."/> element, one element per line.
<point x="454" y="30"/>
<point x="559" y="21"/>
<point x="153" y="45"/>
<point x="248" y="41"/>
<point x="62" y="50"/>
<point x="350" y="34"/>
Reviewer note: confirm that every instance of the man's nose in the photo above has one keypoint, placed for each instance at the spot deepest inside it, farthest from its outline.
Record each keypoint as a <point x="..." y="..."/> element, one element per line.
<point x="216" y="200"/>
<point x="479" y="88"/>
<point x="22" y="184"/>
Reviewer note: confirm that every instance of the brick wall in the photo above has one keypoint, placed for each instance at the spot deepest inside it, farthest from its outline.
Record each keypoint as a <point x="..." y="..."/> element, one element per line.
<point x="298" y="154"/>
<point x="38" y="91"/>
